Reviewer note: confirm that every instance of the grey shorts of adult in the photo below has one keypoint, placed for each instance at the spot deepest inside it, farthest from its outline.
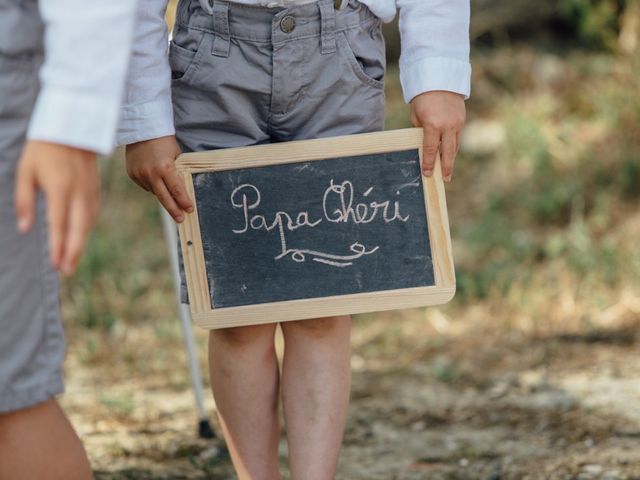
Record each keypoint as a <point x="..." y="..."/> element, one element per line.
<point x="31" y="338"/>
<point x="246" y="75"/>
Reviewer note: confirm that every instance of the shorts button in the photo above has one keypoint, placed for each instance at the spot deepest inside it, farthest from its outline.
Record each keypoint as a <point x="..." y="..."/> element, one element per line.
<point x="288" y="24"/>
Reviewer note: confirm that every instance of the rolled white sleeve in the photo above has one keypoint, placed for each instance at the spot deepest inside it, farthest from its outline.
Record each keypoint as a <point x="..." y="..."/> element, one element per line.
<point x="87" y="46"/>
<point x="147" y="112"/>
<point x="435" y="46"/>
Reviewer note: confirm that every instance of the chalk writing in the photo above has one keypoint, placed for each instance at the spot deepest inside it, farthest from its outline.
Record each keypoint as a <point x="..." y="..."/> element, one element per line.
<point x="298" y="255"/>
<point x="339" y="206"/>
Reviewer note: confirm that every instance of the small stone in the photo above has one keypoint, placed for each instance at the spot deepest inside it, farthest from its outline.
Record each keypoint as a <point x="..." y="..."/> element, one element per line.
<point x="585" y="476"/>
<point x="172" y="448"/>
<point x="498" y="390"/>
<point x="209" y="453"/>
<point x="548" y="70"/>
<point x="418" y="426"/>
<point x="593" y="469"/>
<point x="611" y="475"/>
<point x="464" y="462"/>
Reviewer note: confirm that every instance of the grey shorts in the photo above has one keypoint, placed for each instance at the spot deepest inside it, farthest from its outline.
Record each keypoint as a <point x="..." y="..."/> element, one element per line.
<point x="32" y="344"/>
<point x="247" y="75"/>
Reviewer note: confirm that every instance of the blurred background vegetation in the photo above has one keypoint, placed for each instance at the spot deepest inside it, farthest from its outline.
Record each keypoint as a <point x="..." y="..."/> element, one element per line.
<point x="545" y="222"/>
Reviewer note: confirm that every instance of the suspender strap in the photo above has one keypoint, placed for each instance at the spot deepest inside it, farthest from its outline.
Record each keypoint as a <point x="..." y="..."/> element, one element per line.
<point x="328" y="35"/>
<point x="222" y="42"/>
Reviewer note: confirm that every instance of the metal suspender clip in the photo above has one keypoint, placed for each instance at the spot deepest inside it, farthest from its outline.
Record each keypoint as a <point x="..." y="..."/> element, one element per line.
<point x="207" y="6"/>
<point x="340" y="4"/>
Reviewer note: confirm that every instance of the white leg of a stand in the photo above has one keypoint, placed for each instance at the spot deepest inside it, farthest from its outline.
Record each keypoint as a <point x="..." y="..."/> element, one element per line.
<point x="171" y="237"/>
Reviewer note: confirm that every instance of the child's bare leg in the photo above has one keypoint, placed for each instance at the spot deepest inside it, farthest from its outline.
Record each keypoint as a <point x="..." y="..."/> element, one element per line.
<point x="316" y="383"/>
<point x="39" y="442"/>
<point x="245" y="382"/>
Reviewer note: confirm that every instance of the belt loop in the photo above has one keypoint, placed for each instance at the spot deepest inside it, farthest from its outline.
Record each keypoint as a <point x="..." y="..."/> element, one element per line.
<point x="328" y="33"/>
<point x="222" y="42"/>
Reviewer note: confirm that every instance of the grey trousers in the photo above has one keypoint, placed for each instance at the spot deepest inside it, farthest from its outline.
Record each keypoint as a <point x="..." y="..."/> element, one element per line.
<point x="247" y="75"/>
<point x="32" y="343"/>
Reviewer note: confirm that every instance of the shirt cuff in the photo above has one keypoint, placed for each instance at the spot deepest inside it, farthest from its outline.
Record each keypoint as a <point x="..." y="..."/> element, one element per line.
<point x="75" y="118"/>
<point x="435" y="73"/>
<point x="145" y="121"/>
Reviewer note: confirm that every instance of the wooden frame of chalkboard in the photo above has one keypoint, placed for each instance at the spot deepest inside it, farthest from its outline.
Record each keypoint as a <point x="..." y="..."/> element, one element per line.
<point x="337" y="148"/>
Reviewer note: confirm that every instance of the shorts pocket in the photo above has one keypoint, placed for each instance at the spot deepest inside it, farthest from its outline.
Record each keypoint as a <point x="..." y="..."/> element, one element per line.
<point x="364" y="49"/>
<point x="18" y="86"/>
<point x="185" y="62"/>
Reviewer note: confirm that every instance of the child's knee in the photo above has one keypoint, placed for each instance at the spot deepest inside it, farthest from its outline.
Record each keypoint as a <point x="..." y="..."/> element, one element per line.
<point x="241" y="337"/>
<point x="319" y="327"/>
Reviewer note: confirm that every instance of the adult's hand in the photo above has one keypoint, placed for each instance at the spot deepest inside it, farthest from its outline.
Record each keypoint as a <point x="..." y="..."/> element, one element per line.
<point x="68" y="177"/>
<point x="151" y="164"/>
<point x="442" y="115"/>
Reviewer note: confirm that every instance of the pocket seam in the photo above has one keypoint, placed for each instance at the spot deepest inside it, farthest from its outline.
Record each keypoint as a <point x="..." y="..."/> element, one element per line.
<point x="21" y="61"/>
<point x="194" y="65"/>
<point x="355" y="65"/>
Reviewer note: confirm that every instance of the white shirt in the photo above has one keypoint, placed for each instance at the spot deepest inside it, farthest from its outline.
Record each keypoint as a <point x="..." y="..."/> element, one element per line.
<point x="87" y="46"/>
<point x="435" y="56"/>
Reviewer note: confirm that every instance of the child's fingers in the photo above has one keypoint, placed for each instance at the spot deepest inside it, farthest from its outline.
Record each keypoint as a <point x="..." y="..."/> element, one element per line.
<point x="25" y="199"/>
<point x="160" y="190"/>
<point x="430" y="150"/>
<point x="141" y="183"/>
<point x="137" y="174"/>
<point x="81" y="214"/>
<point x="448" y="149"/>
<point x="175" y="185"/>
<point x="57" y="216"/>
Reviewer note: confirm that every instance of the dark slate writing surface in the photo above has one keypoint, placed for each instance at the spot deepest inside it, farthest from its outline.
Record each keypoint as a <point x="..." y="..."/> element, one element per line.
<point x="314" y="229"/>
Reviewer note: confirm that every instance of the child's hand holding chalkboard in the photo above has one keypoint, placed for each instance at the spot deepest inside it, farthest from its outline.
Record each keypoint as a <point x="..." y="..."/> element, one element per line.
<point x="442" y="115"/>
<point x="151" y="164"/>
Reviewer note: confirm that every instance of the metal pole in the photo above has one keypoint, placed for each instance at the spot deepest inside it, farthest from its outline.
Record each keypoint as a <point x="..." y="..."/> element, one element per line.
<point x="171" y="237"/>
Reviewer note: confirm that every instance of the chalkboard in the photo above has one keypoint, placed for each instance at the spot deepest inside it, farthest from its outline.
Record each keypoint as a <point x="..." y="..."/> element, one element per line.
<point x="305" y="229"/>
<point x="314" y="229"/>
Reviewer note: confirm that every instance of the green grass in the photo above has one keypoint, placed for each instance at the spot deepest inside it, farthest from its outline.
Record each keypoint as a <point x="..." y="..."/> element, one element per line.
<point x="573" y="180"/>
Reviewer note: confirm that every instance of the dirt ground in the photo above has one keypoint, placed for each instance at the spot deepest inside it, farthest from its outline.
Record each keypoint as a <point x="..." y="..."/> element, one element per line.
<point x="468" y="401"/>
